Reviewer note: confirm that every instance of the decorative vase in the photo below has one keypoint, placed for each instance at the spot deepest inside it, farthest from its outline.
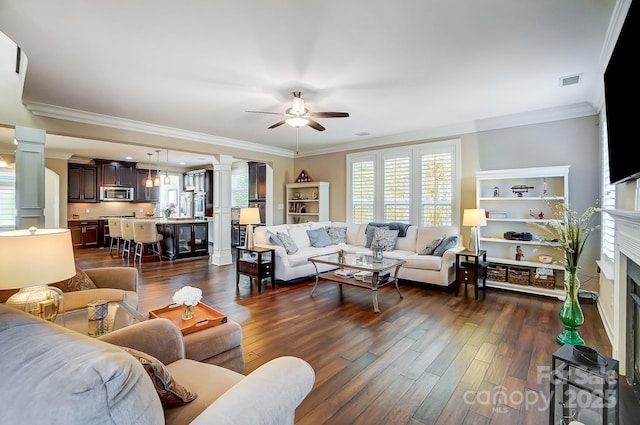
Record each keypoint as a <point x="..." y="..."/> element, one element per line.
<point x="570" y="313"/>
<point x="187" y="313"/>
<point x="167" y="213"/>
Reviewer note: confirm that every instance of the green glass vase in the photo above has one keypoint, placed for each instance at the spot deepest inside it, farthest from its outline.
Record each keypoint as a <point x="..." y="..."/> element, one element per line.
<point x="570" y="313"/>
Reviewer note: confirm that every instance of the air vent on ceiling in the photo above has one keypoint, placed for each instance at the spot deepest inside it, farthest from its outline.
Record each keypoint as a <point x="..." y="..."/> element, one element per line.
<point x="363" y="133"/>
<point x="570" y="80"/>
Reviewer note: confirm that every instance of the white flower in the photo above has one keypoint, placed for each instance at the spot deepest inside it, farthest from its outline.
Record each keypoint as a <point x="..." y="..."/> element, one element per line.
<point x="188" y="295"/>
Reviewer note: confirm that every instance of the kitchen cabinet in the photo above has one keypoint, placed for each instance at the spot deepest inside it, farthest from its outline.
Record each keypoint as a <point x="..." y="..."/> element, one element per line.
<point x="84" y="233"/>
<point x="183" y="239"/>
<point x="257" y="181"/>
<point x="82" y="183"/>
<point x="513" y="200"/>
<point x="201" y="181"/>
<point x="307" y="201"/>
<point x="143" y="193"/>
<point x="116" y="173"/>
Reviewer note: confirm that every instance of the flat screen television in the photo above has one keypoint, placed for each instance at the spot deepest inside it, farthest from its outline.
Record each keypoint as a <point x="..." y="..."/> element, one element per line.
<point x="621" y="91"/>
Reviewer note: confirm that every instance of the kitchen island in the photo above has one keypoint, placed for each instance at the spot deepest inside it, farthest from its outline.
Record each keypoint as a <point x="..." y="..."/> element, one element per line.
<point x="183" y="237"/>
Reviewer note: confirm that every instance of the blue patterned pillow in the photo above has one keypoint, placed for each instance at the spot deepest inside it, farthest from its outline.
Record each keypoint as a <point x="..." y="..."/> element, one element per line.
<point x="431" y="246"/>
<point x="370" y="232"/>
<point x="385" y="237"/>
<point x="273" y="239"/>
<point x="449" y="242"/>
<point x="337" y="234"/>
<point x="288" y="243"/>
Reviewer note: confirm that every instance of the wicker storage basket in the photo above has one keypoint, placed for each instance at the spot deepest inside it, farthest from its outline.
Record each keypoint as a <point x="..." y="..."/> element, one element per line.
<point x="497" y="272"/>
<point x="543" y="278"/>
<point x="518" y="276"/>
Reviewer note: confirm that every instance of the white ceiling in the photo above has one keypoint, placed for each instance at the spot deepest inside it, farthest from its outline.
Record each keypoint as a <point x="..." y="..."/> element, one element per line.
<point x="404" y="70"/>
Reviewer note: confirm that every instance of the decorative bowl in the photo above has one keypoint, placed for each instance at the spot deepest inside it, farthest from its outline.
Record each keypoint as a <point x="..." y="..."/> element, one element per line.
<point x="149" y="213"/>
<point x="546" y="259"/>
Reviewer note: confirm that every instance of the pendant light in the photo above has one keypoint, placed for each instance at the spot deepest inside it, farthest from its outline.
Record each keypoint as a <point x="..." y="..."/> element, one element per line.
<point x="149" y="181"/>
<point x="167" y="179"/>
<point x="156" y="179"/>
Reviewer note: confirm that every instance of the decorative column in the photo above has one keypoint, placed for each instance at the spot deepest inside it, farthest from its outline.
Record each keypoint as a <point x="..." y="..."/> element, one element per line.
<point x="222" y="210"/>
<point x="30" y="167"/>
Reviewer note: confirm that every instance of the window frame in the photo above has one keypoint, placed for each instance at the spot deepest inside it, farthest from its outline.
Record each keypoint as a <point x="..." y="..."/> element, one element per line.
<point x="415" y="152"/>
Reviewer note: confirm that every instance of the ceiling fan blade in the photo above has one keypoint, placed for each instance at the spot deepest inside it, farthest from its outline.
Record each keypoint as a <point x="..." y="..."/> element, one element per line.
<point x="328" y="114"/>
<point x="278" y="124"/>
<point x="316" y="125"/>
<point x="266" y="112"/>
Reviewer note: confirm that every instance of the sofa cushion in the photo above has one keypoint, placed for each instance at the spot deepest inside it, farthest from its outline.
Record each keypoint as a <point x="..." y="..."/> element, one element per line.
<point x="80" y="282"/>
<point x="448" y="243"/>
<point x="426" y="262"/>
<point x="371" y="233"/>
<point x="432" y="245"/>
<point x="385" y="237"/>
<point x="288" y="243"/>
<point x="356" y="234"/>
<point x="171" y="393"/>
<point x="299" y="235"/>
<point x="319" y="237"/>
<point x="337" y="234"/>
<point x="273" y="239"/>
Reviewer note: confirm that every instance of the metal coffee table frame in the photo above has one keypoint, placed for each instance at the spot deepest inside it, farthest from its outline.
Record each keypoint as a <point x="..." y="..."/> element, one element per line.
<point x="349" y="262"/>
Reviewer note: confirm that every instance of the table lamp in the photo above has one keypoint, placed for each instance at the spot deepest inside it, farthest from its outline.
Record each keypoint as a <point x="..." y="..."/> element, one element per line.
<point x="474" y="218"/>
<point x="29" y="260"/>
<point x="249" y="217"/>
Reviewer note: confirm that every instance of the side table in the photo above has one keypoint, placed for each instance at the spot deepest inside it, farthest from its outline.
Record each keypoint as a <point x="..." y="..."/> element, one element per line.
<point x="257" y="263"/>
<point x="471" y="268"/>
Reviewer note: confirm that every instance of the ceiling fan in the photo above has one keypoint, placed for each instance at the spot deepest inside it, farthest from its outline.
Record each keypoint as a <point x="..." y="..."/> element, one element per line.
<point x="299" y="116"/>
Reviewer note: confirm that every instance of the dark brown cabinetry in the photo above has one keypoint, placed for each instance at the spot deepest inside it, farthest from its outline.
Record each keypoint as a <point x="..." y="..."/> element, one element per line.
<point x="143" y="193"/>
<point x="471" y="268"/>
<point x="183" y="240"/>
<point x="257" y="181"/>
<point x="84" y="233"/>
<point x="257" y="263"/>
<point x="116" y="173"/>
<point x="82" y="183"/>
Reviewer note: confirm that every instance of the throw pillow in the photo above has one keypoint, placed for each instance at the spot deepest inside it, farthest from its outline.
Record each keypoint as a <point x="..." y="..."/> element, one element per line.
<point x="337" y="234"/>
<point x="449" y="242"/>
<point x="80" y="282"/>
<point x="385" y="237"/>
<point x="170" y="392"/>
<point x="287" y="242"/>
<point x="319" y="237"/>
<point x="273" y="239"/>
<point x="370" y="232"/>
<point x="431" y="246"/>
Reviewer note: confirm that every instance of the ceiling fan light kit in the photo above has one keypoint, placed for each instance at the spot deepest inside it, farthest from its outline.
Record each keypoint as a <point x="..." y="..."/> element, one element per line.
<point x="299" y="115"/>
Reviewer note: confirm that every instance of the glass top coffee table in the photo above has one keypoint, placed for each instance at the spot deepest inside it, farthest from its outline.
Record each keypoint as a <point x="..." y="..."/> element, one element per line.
<point x="119" y="315"/>
<point x="350" y="264"/>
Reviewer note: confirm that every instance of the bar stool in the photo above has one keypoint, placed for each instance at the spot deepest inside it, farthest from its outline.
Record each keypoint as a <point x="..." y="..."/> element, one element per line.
<point x="127" y="236"/>
<point x="145" y="234"/>
<point x="115" y="232"/>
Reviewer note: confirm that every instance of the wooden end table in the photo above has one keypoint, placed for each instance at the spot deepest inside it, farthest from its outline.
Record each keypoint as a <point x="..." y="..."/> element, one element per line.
<point x="257" y="263"/>
<point x="471" y="268"/>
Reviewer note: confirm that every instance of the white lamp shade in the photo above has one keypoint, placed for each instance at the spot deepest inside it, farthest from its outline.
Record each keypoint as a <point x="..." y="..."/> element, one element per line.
<point x="474" y="217"/>
<point x="249" y="216"/>
<point x="31" y="257"/>
<point x="297" y="121"/>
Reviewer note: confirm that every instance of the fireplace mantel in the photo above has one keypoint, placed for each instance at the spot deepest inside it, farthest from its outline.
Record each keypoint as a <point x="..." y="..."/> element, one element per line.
<point x="627" y="247"/>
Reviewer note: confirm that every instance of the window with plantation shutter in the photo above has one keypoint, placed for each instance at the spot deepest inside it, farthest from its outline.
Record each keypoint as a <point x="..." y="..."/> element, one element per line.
<point x="607" y="199"/>
<point x="7" y="199"/>
<point x="396" y="189"/>
<point x="416" y="184"/>
<point x="362" y="190"/>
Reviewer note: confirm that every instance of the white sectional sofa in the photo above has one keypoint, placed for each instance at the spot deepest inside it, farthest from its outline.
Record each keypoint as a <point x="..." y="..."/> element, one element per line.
<point x="429" y="269"/>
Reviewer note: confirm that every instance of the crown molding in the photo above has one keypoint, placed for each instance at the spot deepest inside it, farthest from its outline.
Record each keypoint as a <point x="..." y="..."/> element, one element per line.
<point x="577" y="110"/>
<point x="68" y="114"/>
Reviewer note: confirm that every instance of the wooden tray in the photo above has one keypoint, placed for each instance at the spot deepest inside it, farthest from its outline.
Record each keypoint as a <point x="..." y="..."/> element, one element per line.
<point x="203" y="317"/>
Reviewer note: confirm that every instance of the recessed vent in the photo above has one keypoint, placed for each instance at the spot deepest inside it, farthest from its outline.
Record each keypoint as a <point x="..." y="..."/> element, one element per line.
<point x="363" y="133"/>
<point x="570" y="80"/>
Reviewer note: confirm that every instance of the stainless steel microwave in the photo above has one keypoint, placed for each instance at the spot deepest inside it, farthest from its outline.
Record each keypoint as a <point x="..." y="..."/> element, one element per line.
<point x="116" y="194"/>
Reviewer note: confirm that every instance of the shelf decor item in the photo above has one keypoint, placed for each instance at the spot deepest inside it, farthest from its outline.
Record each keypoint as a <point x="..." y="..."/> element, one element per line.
<point x="189" y="296"/>
<point x="571" y="231"/>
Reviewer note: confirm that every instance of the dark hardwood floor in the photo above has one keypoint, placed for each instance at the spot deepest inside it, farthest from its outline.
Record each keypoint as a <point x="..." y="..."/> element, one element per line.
<point x="433" y="357"/>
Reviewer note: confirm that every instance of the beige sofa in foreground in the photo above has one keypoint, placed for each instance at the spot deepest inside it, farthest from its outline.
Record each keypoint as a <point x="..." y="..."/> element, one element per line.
<point x="51" y="374"/>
